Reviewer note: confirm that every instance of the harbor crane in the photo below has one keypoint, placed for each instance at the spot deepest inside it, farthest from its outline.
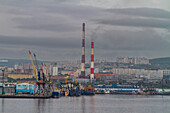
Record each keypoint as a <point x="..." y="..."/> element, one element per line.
<point x="39" y="89"/>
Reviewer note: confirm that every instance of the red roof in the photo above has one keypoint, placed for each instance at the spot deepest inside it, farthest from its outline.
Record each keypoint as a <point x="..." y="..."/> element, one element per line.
<point x="58" y="77"/>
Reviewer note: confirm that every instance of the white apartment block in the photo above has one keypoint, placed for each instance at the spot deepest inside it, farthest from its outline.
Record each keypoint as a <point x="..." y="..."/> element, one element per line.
<point x="150" y="74"/>
<point x="133" y="60"/>
<point x="55" y="71"/>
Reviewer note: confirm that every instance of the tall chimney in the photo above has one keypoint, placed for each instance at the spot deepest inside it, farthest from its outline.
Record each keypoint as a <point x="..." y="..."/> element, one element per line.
<point x="92" y="62"/>
<point x="83" y="53"/>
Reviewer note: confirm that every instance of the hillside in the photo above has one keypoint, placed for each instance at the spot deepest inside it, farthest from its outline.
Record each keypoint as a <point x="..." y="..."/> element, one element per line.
<point x="165" y="60"/>
<point x="161" y="63"/>
<point x="12" y="62"/>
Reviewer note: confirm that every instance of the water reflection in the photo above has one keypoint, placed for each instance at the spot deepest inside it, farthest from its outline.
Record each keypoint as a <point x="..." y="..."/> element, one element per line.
<point x="75" y="105"/>
<point x="2" y="103"/>
<point x="83" y="104"/>
<point x="91" y="104"/>
<point x="40" y="105"/>
<point x="48" y="108"/>
<point x="88" y="104"/>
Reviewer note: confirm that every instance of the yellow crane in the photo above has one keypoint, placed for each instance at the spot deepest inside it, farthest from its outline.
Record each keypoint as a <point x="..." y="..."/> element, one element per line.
<point x="39" y="88"/>
<point x="66" y="79"/>
<point x="76" y="81"/>
<point x="33" y="66"/>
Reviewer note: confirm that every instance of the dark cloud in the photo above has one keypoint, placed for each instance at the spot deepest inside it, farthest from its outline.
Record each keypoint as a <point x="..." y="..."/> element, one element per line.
<point x="144" y="42"/>
<point x="133" y="40"/>
<point x="46" y="48"/>
<point x="64" y="20"/>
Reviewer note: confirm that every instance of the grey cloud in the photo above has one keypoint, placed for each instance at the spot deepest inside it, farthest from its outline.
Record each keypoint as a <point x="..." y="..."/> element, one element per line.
<point x="142" y="12"/>
<point x="61" y="18"/>
<point x="46" y="48"/>
<point x="43" y="53"/>
<point x="49" y="27"/>
<point x="137" y="17"/>
<point x="77" y="11"/>
<point x="136" y="22"/>
<point x="145" y="40"/>
<point x="64" y="18"/>
<point x="115" y="43"/>
<point x="46" y="23"/>
<point x="48" y="42"/>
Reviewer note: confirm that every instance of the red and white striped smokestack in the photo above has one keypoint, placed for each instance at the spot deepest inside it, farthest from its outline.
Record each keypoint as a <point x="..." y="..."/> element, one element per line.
<point x="92" y="62"/>
<point x="83" y="53"/>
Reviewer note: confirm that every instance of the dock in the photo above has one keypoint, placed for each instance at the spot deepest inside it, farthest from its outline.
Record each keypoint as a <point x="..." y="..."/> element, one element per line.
<point x="26" y="96"/>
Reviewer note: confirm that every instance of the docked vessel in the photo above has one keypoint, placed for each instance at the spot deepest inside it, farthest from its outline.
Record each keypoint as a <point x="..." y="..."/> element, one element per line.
<point x="116" y="89"/>
<point x="74" y="89"/>
<point x="55" y="94"/>
<point x="89" y="89"/>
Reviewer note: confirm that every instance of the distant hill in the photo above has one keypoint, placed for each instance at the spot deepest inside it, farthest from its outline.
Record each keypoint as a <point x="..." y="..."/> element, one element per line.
<point x="12" y="62"/>
<point x="161" y="63"/>
<point x="165" y="60"/>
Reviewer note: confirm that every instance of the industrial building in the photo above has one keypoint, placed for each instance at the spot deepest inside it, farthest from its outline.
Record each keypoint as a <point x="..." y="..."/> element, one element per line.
<point x="8" y="88"/>
<point x="104" y="76"/>
<point x="20" y="76"/>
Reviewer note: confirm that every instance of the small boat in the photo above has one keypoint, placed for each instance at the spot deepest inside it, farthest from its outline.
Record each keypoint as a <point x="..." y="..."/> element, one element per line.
<point x="55" y="94"/>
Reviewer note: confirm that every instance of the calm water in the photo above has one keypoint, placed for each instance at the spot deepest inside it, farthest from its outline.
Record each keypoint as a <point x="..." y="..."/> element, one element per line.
<point x="89" y="104"/>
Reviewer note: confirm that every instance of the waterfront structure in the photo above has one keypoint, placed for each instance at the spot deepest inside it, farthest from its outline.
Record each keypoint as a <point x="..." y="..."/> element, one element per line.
<point x="1" y="87"/>
<point x="7" y="88"/>
<point x="116" y="89"/>
<point x="26" y="81"/>
<point x="25" y="88"/>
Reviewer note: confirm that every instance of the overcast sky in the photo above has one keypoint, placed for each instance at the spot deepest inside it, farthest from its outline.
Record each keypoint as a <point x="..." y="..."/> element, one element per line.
<point x="53" y="28"/>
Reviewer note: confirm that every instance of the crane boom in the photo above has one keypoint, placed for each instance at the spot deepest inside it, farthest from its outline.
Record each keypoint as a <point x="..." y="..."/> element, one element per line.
<point x="39" y="78"/>
<point x="33" y="66"/>
<point x="36" y="61"/>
